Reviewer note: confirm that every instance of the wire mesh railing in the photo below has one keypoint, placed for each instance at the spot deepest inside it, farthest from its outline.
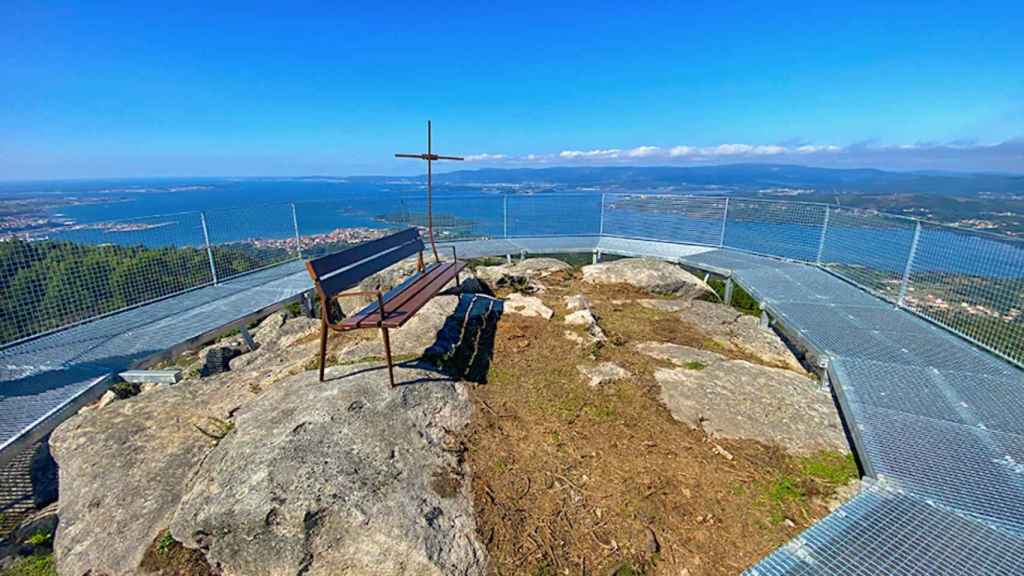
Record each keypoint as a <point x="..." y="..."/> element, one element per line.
<point x="89" y="270"/>
<point x="787" y="229"/>
<point x="666" y="218"/>
<point x="868" y="248"/>
<point x="970" y="282"/>
<point x="249" y="238"/>
<point x="552" y="215"/>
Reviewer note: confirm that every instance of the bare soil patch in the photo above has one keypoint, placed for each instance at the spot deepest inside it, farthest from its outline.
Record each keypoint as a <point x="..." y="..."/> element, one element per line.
<point x="573" y="480"/>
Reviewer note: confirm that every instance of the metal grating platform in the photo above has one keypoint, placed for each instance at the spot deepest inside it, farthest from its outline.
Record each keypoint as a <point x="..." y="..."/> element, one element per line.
<point x="44" y="379"/>
<point x="935" y="418"/>
<point x="884" y="531"/>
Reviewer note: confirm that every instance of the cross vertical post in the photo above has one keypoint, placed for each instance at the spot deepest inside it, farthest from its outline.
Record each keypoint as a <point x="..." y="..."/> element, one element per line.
<point x="430" y="157"/>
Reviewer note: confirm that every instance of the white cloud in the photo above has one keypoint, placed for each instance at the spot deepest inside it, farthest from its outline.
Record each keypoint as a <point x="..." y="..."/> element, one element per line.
<point x="644" y="151"/>
<point x="743" y="150"/>
<point x="727" y="150"/>
<point x="601" y="154"/>
<point x="813" y="148"/>
<point x="485" y="157"/>
<point x="677" y="151"/>
<point x="768" y="150"/>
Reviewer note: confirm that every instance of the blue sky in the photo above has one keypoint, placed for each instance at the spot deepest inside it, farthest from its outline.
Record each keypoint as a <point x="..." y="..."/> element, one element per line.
<point x="135" y="89"/>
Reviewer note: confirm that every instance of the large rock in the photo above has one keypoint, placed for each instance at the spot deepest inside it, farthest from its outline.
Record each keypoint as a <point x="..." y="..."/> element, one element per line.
<point x="737" y="399"/>
<point x="347" y="477"/>
<point x="648" y="274"/>
<point x="521" y="272"/>
<point x="124" y="469"/>
<point x="529" y="306"/>
<point x="410" y="340"/>
<point x="678" y="354"/>
<point x="283" y="348"/>
<point x="586" y="319"/>
<point x="741" y="332"/>
<point x="602" y="373"/>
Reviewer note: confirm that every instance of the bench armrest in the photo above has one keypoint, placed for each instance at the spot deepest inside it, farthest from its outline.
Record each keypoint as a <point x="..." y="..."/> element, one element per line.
<point x="373" y="293"/>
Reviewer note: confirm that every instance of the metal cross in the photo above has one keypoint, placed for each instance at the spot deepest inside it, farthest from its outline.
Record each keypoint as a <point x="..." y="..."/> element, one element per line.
<point x="430" y="157"/>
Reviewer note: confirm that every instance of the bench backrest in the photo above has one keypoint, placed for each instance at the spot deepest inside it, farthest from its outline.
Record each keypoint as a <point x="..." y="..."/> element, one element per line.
<point x="342" y="270"/>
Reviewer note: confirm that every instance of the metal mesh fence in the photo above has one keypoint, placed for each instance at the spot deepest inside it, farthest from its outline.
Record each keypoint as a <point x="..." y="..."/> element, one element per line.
<point x="461" y="217"/>
<point x="93" y="269"/>
<point x="787" y="229"/>
<point x="972" y="283"/>
<point x="868" y="248"/>
<point x="685" y="219"/>
<point x="329" y="226"/>
<point x="552" y="215"/>
<point x="250" y="238"/>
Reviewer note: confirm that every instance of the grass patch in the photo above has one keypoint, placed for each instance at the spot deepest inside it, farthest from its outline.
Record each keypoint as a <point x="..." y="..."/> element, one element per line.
<point x="696" y="365"/>
<point x="39" y="539"/>
<point x="628" y="569"/>
<point x="35" y="565"/>
<point x="831" y="468"/>
<point x="166" y="555"/>
<point x="741" y="299"/>
<point x="784" y="489"/>
<point x="164" y="544"/>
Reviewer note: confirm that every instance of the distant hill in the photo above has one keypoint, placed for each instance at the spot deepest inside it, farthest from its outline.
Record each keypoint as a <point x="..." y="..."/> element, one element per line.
<point x="749" y="177"/>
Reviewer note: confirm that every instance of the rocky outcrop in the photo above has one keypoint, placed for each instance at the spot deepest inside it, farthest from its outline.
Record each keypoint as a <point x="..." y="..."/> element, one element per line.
<point x="737" y="399"/>
<point x="648" y="274"/>
<point x="124" y="469"/>
<point x="282" y="349"/>
<point x="345" y="478"/>
<point x="602" y="373"/>
<point x="521" y="272"/>
<point x="585" y="318"/>
<point x="529" y="306"/>
<point x="576" y="302"/>
<point x="662" y="305"/>
<point x="677" y="353"/>
<point x="135" y="467"/>
<point x="741" y="332"/>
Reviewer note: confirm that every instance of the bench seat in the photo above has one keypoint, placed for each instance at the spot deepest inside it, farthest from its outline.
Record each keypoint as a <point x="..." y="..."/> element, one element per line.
<point x="404" y="300"/>
<point x="334" y="275"/>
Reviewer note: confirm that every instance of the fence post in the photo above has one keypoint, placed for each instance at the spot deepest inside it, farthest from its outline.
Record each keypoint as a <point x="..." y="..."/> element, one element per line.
<point x="504" y="213"/>
<point x="824" y="230"/>
<point x="910" y="264"/>
<point x="725" y="216"/>
<point x="209" y="251"/>
<point x="295" y="224"/>
<point x="601" y="228"/>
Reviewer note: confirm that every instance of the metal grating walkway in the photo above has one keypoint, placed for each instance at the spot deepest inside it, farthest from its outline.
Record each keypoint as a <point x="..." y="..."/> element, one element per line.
<point x="44" y="380"/>
<point x="935" y="420"/>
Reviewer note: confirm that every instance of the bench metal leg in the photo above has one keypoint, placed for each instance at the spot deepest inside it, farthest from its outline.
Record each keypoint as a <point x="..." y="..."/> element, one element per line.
<point x="323" y="347"/>
<point x="387" y="354"/>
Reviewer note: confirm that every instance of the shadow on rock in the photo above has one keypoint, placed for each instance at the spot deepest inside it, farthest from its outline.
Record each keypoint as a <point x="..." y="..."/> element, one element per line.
<point x="465" y="343"/>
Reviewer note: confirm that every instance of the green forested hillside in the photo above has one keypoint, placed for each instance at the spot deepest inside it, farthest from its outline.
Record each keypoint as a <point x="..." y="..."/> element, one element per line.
<point x="48" y="284"/>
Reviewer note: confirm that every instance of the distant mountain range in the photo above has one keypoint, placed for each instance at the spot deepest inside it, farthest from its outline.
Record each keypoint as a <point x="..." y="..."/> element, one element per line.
<point x="748" y="178"/>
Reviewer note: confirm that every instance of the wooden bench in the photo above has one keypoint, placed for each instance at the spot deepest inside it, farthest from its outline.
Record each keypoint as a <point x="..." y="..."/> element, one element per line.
<point x="335" y="273"/>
